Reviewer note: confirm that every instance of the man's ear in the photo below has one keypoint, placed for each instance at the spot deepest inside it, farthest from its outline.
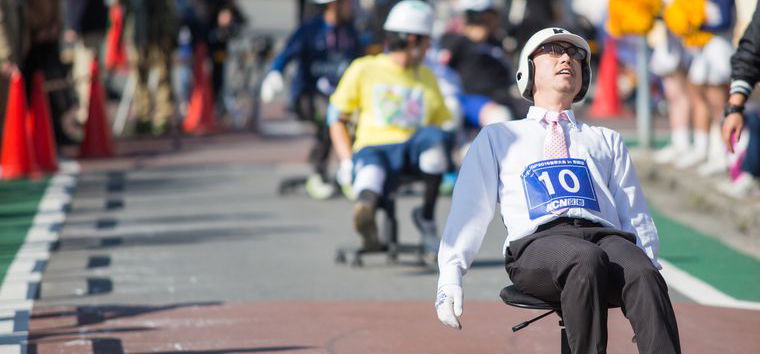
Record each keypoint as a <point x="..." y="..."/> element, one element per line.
<point x="532" y="75"/>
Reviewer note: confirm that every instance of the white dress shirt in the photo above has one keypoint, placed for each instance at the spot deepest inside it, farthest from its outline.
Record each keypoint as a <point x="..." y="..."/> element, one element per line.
<point x="504" y="165"/>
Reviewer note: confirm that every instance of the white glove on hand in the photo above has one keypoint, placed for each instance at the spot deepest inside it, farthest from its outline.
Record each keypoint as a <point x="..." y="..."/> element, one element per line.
<point x="345" y="171"/>
<point x="271" y="85"/>
<point x="448" y="304"/>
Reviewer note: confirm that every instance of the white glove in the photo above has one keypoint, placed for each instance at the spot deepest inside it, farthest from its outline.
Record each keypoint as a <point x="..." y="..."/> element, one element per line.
<point x="271" y="85"/>
<point x="345" y="171"/>
<point x="448" y="304"/>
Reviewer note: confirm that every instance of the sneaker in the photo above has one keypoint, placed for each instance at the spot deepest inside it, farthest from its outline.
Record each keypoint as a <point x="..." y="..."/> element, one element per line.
<point x="667" y="154"/>
<point x="690" y="159"/>
<point x="429" y="232"/>
<point x="348" y="192"/>
<point x="364" y="220"/>
<point x="318" y="189"/>
<point x="745" y="186"/>
<point x="160" y="129"/>
<point x="143" y="127"/>
<point x="712" y="167"/>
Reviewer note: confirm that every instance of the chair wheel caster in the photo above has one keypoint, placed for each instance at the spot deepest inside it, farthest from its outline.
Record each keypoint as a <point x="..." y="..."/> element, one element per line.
<point x="340" y="258"/>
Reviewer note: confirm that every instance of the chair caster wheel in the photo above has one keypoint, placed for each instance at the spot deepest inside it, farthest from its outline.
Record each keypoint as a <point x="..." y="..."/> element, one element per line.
<point x="340" y="258"/>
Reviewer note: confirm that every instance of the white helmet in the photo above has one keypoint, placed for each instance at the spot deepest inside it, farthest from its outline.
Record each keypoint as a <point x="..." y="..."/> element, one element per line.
<point x="476" y="5"/>
<point x="525" y="71"/>
<point x="410" y="16"/>
<point x="322" y="2"/>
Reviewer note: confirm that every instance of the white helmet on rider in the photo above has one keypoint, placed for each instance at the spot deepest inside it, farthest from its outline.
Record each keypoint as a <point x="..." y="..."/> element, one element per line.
<point x="410" y="16"/>
<point x="476" y="5"/>
<point x="322" y="2"/>
<point x="525" y="71"/>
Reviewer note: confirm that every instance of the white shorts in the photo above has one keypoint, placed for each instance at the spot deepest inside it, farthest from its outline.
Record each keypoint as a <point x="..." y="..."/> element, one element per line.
<point x="711" y="65"/>
<point x="668" y="56"/>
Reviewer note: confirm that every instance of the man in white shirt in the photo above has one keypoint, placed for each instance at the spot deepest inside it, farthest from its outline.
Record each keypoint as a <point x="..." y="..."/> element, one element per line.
<point x="579" y="230"/>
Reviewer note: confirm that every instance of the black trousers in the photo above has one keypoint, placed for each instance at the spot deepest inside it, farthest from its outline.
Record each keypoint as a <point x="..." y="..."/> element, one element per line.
<point x="584" y="267"/>
<point x="313" y="107"/>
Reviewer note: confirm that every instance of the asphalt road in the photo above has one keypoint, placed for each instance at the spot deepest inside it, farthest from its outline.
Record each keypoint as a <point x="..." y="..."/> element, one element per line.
<point x="161" y="244"/>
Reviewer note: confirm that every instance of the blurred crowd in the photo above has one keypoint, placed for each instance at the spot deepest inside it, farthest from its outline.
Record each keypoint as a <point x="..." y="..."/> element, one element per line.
<point x="146" y="41"/>
<point x="148" y="47"/>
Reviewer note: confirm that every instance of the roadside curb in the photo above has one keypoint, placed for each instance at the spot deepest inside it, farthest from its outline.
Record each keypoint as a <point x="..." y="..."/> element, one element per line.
<point x="701" y="193"/>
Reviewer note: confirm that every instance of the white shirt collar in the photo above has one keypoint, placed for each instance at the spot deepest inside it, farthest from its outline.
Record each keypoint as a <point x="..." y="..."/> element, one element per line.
<point x="538" y="113"/>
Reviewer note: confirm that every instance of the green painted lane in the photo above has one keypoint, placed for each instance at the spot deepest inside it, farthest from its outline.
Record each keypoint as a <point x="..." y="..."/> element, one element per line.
<point x="18" y="206"/>
<point x="706" y="258"/>
<point x="657" y="142"/>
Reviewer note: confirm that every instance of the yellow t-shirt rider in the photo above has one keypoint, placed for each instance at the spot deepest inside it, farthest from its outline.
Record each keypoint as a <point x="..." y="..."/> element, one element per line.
<point x="400" y="111"/>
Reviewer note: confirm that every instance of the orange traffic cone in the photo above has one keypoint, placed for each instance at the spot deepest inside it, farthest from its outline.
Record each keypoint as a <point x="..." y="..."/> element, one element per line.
<point x="116" y="57"/>
<point x="607" y="100"/>
<point x="97" y="133"/>
<point x="200" y="113"/>
<point x="18" y="153"/>
<point x="40" y="129"/>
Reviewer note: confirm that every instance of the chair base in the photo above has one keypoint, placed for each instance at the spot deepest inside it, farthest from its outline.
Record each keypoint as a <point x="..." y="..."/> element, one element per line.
<point x="353" y="255"/>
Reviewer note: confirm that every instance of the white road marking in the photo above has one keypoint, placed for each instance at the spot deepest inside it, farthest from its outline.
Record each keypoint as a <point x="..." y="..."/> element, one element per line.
<point x="699" y="291"/>
<point x="24" y="273"/>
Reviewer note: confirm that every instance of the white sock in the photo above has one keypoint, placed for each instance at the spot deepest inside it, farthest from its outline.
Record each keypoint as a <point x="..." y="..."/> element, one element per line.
<point x="700" y="142"/>
<point x="679" y="139"/>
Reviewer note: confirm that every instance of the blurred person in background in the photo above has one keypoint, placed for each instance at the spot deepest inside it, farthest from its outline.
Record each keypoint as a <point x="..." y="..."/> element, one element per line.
<point x="45" y="28"/>
<point x="670" y="61"/>
<point x="85" y="28"/>
<point x="323" y="46"/>
<point x="745" y="74"/>
<point x="151" y="29"/>
<point x="579" y="229"/>
<point x="529" y="16"/>
<point x="396" y="106"/>
<point x="482" y="64"/>
<point x="14" y="44"/>
<point x="708" y="75"/>
<point x="224" y="22"/>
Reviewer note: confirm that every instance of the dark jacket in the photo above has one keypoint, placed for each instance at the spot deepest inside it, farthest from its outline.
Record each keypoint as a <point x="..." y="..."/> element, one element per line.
<point x="484" y="67"/>
<point x="321" y="50"/>
<point x="86" y="16"/>
<point x="745" y="63"/>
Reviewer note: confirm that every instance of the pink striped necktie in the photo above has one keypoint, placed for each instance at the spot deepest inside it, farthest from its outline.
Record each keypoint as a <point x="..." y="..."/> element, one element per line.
<point x="555" y="146"/>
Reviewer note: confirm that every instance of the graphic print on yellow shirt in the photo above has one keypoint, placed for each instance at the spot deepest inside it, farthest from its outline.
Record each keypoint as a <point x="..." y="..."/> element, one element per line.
<point x="398" y="106"/>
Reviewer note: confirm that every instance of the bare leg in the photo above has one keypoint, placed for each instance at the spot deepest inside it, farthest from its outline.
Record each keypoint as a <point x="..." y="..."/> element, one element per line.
<point x="717" y="159"/>
<point x="679" y="109"/>
<point x="700" y="114"/>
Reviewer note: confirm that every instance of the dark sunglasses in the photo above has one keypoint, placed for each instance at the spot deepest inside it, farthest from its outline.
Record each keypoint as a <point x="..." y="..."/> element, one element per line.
<point x="556" y="49"/>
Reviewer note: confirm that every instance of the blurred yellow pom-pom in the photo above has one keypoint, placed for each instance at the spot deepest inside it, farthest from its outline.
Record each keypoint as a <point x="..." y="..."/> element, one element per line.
<point x="631" y="17"/>
<point x="684" y="18"/>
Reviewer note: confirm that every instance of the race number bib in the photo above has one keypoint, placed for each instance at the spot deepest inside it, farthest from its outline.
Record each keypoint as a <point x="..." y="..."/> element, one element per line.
<point x="558" y="184"/>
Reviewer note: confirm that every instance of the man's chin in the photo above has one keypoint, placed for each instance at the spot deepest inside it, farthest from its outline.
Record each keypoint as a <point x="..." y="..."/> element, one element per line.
<point x="567" y="90"/>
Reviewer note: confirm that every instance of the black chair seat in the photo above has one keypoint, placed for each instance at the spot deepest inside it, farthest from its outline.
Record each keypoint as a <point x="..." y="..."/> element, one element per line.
<point x="511" y="295"/>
